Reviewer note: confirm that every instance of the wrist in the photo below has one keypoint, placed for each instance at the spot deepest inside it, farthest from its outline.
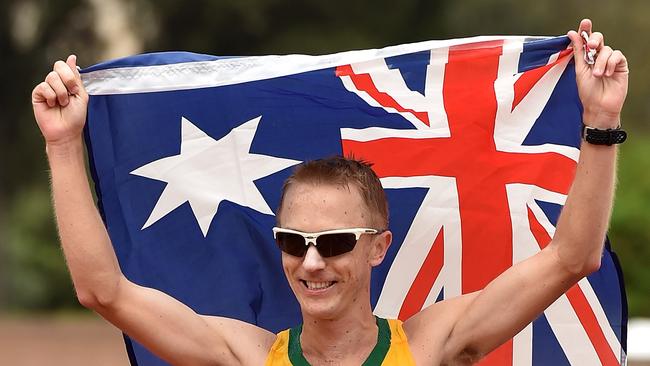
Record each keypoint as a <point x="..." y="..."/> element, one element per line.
<point x="601" y="120"/>
<point x="64" y="148"/>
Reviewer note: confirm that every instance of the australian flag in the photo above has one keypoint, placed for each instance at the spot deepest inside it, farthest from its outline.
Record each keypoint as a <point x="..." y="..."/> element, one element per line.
<point x="475" y="141"/>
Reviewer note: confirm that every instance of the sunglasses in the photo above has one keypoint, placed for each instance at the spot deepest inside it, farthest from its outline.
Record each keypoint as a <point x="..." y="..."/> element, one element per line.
<point x="329" y="243"/>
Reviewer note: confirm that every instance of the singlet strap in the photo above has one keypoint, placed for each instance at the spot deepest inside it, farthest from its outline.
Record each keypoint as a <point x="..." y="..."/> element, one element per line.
<point x="295" y="349"/>
<point x="375" y="358"/>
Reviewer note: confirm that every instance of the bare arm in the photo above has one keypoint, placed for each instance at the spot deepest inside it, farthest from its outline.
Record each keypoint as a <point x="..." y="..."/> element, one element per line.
<point x="484" y="320"/>
<point x="164" y="325"/>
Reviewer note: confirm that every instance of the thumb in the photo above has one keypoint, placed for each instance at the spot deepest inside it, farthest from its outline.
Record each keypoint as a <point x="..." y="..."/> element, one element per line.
<point x="577" y="43"/>
<point x="71" y="61"/>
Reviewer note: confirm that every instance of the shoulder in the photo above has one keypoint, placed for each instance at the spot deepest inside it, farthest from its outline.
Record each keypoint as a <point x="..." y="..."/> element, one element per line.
<point x="248" y="343"/>
<point x="429" y="330"/>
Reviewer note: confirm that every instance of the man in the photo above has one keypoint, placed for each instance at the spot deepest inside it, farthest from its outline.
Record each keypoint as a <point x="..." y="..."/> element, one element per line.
<point x="332" y="231"/>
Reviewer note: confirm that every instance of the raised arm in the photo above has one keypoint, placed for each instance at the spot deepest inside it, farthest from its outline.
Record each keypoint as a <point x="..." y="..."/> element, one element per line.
<point x="164" y="325"/>
<point x="478" y="323"/>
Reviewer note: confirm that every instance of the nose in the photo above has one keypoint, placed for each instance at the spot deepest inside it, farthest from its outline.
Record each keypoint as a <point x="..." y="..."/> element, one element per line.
<point x="313" y="260"/>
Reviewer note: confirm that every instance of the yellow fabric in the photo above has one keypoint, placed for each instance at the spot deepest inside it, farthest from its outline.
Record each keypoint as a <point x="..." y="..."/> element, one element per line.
<point x="399" y="353"/>
<point x="279" y="354"/>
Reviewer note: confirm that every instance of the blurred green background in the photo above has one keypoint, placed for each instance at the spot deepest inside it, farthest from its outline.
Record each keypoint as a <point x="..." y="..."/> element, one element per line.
<point x="35" y="33"/>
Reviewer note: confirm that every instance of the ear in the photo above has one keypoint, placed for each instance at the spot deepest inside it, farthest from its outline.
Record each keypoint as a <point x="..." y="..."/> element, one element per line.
<point x="380" y="244"/>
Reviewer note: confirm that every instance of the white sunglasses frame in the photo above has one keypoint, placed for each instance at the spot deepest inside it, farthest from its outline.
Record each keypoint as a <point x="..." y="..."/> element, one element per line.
<point x="311" y="237"/>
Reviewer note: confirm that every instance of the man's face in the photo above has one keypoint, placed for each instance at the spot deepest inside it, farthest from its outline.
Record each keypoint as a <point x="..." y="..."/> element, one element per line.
<point x="329" y="287"/>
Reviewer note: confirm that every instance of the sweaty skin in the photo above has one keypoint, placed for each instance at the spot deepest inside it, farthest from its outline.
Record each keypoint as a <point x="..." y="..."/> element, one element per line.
<point x="333" y="293"/>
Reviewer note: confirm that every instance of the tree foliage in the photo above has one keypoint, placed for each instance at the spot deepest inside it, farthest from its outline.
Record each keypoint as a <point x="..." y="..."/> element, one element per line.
<point x="34" y="33"/>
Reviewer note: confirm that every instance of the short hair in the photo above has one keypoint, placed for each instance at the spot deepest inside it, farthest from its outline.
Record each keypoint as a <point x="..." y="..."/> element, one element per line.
<point x="344" y="171"/>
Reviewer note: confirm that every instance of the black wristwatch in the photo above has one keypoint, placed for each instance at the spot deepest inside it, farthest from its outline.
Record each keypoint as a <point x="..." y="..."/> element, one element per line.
<point x="610" y="136"/>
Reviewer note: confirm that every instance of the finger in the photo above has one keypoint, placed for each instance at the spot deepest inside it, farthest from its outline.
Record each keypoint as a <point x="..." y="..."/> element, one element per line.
<point x="602" y="60"/>
<point x="616" y="62"/>
<point x="67" y="76"/>
<point x="585" y="25"/>
<point x="596" y="41"/>
<point x="59" y="88"/>
<point x="43" y="92"/>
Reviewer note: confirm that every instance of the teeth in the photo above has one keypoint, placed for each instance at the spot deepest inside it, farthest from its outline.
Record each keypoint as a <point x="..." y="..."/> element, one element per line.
<point x="318" y="285"/>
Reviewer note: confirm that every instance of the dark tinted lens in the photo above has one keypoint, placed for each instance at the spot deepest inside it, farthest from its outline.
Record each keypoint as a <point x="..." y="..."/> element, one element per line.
<point x="293" y="244"/>
<point x="329" y="245"/>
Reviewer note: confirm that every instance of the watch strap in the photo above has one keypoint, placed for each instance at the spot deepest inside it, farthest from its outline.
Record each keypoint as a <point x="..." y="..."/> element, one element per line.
<point x="610" y="136"/>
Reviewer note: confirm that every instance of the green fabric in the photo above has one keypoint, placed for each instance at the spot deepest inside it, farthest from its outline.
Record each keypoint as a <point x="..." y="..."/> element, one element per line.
<point x="295" y="350"/>
<point x="375" y="358"/>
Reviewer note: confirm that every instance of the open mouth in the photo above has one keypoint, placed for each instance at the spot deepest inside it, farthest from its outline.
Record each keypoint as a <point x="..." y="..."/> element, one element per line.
<point x="317" y="285"/>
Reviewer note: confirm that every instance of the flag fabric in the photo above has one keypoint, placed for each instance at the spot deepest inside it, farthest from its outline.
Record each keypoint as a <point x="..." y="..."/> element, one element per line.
<point x="475" y="141"/>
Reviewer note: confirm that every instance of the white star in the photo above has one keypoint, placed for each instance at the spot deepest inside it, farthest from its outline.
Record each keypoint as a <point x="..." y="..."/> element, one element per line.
<point x="208" y="171"/>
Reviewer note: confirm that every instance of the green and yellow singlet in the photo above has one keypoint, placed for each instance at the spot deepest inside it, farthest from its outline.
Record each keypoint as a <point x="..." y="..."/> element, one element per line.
<point x="392" y="347"/>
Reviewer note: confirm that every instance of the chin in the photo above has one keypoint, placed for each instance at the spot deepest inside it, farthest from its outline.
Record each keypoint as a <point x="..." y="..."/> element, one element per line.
<point x="320" y="307"/>
<point x="319" y="310"/>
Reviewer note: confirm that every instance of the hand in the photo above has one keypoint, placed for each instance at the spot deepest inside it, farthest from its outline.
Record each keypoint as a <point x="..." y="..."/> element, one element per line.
<point x="60" y="103"/>
<point x="603" y="86"/>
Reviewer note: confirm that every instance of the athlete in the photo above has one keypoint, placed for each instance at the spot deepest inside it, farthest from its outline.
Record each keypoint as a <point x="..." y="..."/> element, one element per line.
<point x="332" y="229"/>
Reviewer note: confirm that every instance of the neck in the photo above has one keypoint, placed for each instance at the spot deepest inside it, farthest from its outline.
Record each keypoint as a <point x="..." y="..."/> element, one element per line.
<point x="346" y="339"/>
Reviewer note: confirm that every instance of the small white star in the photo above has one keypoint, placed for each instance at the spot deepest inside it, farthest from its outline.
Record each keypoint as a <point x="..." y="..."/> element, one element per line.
<point x="208" y="171"/>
